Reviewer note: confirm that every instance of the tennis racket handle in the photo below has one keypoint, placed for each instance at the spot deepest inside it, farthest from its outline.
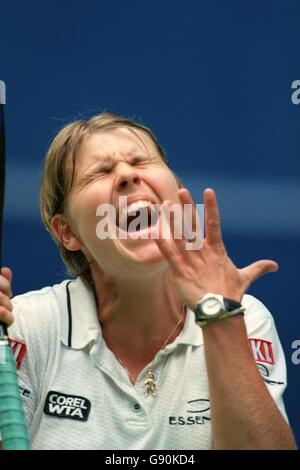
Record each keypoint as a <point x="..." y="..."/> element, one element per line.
<point x="13" y="426"/>
<point x="3" y="329"/>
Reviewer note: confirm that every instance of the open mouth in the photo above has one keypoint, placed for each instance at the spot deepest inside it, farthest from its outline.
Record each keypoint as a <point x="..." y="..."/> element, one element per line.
<point x="138" y="216"/>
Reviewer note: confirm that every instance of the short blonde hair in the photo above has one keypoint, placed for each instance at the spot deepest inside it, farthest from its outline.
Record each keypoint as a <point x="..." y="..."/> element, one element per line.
<point x="57" y="181"/>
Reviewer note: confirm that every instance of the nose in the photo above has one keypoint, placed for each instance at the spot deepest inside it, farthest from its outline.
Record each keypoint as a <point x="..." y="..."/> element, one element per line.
<point x="127" y="176"/>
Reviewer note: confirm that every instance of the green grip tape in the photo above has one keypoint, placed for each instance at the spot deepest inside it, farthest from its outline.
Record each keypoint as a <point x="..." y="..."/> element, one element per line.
<point x="13" y="426"/>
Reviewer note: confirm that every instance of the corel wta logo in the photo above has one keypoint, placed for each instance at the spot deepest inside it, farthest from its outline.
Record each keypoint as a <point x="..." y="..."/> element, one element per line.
<point x="67" y="406"/>
<point x="2" y="92"/>
<point x="145" y="219"/>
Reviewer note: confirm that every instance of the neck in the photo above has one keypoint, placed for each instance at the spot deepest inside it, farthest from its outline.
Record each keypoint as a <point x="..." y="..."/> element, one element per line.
<point x="138" y="315"/>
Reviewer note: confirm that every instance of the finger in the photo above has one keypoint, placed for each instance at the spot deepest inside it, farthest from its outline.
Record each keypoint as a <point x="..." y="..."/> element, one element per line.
<point x="5" y="281"/>
<point x="7" y="273"/>
<point x="212" y="218"/>
<point x="6" y="316"/>
<point x="164" y="240"/>
<point x="191" y="217"/>
<point x="5" y="301"/>
<point x="258" y="269"/>
<point x="177" y="226"/>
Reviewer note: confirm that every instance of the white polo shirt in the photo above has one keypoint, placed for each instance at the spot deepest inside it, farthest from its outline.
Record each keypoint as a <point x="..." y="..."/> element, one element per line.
<point x="78" y="396"/>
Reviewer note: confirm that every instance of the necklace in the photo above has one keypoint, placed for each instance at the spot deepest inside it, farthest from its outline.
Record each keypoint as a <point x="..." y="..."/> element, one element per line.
<point x="149" y="384"/>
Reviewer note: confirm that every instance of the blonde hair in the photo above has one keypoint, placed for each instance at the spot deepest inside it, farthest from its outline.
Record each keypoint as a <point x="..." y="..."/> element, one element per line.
<point x="57" y="181"/>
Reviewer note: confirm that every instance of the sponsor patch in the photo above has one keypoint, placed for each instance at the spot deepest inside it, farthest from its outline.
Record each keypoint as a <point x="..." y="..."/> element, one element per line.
<point x="264" y="372"/>
<point x="18" y="348"/>
<point x="198" y="406"/>
<point x="200" y="414"/>
<point x="67" y="406"/>
<point x="262" y="350"/>
<point x="24" y="392"/>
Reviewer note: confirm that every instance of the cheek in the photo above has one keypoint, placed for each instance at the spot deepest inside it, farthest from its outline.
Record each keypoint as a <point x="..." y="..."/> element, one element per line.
<point x="164" y="184"/>
<point x="83" y="209"/>
<point x="85" y="204"/>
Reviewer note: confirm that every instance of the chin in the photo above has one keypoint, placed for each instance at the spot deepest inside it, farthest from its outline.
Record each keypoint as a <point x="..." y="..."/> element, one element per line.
<point x="141" y="252"/>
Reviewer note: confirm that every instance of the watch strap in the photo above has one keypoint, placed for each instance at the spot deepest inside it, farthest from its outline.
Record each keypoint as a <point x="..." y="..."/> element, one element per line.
<point x="223" y="316"/>
<point x="230" y="308"/>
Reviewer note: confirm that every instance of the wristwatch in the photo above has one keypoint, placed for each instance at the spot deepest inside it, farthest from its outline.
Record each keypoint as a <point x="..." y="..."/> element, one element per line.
<point x="214" y="307"/>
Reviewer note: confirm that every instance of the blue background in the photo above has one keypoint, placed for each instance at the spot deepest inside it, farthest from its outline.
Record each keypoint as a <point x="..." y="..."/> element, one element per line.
<point x="213" y="81"/>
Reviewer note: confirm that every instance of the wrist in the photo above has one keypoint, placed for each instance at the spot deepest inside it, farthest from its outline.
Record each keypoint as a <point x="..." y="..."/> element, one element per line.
<point x="233" y="323"/>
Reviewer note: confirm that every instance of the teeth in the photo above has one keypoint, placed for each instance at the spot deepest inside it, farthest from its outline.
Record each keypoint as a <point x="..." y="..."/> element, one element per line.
<point x="133" y="208"/>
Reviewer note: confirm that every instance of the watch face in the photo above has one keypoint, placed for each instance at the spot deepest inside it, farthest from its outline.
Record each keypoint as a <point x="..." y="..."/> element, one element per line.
<point x="211" y="306"/>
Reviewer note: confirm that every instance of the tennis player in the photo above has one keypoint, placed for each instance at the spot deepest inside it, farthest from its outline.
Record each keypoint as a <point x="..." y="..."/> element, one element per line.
<point x="148" y="344"/>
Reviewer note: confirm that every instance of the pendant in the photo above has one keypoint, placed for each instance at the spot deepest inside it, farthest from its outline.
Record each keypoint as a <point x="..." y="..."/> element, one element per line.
<point x="149" y="384"/>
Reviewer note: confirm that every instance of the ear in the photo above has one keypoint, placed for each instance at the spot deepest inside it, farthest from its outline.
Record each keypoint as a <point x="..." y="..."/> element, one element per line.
<point x="63" y="233"/>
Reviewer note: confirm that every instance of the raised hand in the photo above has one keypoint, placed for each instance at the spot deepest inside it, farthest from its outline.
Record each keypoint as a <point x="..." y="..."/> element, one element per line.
<point x="209" y="268"/>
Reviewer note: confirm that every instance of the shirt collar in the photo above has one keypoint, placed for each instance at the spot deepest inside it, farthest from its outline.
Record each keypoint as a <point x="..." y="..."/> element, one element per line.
<point x="191" y="332"/>
<point x="81" y="327"/>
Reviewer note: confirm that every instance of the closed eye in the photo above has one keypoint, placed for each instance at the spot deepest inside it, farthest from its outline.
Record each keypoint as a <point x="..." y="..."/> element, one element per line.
<point x="85" y="179"/>
<point x="139" y="161"/>
<point x="103" y="170"/>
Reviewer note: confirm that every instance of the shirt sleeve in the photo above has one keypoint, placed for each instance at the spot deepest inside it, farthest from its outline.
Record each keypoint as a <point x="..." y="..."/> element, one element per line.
<point x="266" y="349"/>
<point x="35" y="328"/>
<point x="21" y="350"/>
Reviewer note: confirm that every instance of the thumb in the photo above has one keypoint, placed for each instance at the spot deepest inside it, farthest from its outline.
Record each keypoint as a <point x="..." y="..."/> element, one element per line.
<point x="258" y="269"/>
